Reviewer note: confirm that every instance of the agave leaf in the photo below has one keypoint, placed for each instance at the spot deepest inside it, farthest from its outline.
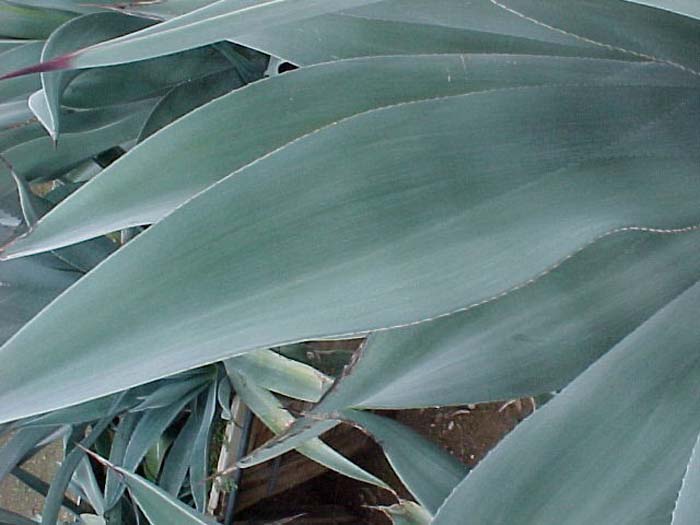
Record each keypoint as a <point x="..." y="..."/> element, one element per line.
<point x="270" y="411"/>
<point x="83" y="256"/>
<point x="21" y="446"/>
<point x="687" y="506"/>
<point x="28" y="285"/>
<point x="302" y="430"/>
<point x="84" y="477"/>
<point x="178" y="460"/>
<point x="284" y="376"/>
<point x="10" y="43"/>
<point x="41" y="159"/>
<point x="184" y="98"/>
<point x="39" y="486"/>
<point x="14" y="114"/>
<point x="77" y="33"/>
<point x="60" y="480"/>
<point x="431" y="478"/>
<point x="640" y="31"/>
<point x="307" y="100"/>
<point x="531" y="341"/>
<point x="416" y="27"/>
<point x="16" y="58"/>
<point x="149" y="429"/>
<point x="682" y="7"/>
<point x="212" y="23"/>
<point x="406" y="513"/>
<point x="159" y="507"/>
<point x="199" y="462"/>
<point x="18" y="21"/>
<point x="510" y="191"/>
<point x="11" y="518"/>
<point x="120" y="442"/>
<point x="591" y="455"/>
<point x="140" y="80"/>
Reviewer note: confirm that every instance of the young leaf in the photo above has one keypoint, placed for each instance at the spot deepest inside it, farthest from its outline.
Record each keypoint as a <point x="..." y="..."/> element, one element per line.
<point x="269" y="410"/>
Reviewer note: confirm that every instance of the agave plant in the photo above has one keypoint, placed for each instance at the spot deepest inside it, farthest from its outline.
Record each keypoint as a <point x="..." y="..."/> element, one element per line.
<point x="500" y="195"/>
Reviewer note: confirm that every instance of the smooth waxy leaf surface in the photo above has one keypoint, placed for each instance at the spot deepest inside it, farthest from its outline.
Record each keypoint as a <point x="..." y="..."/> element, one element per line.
<point x="687" y="507"/>
<point x="510" y="191"/>
<point x="645" y="32"/>
<point x="427" y="471"/>
<point x="212" y="23"/>
<point x="284" y="376"/>
<point x="28" y="285"/>
<point x="140" y="80"/>
<point x="20" y="21"/>
<point x="75" y="34"/>
<point x="611" y="448"/>
<point x="41" y="159"/>
<point x="15" y="58"/>
<point x="275" y="112"/>
<point x="533" y="340"/>
<point x="682" y="7"/>
<point x="396" y="27"/>
<point x="157" y="505"/>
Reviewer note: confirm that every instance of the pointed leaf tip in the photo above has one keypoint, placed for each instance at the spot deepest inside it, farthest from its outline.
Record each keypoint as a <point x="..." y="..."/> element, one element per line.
<point x="58" y="63"/>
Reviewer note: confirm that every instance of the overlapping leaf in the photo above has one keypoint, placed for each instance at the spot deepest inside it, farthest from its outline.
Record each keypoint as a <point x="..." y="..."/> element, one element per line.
<point x="510" y="190"/>
<point x="273" y="113"/>
<point x="612" y="448"/>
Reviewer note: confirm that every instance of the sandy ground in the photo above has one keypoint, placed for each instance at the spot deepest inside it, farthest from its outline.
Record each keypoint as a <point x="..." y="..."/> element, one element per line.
<point x="17" y="497"/>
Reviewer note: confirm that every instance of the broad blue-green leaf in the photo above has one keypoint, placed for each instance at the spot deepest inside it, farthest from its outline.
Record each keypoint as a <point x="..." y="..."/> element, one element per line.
<point x="9" y="43"/>
<point x="512" y="199"/>
<point x="687" y="507"/>
<point x="212" y="23"/>
<point x="77" y="33"/>
<point x="188" y="96"/>
<point x="641" y="31"/>
<point x="611" y="448"/>
<point x="395" y="27"/>
<point x="18" y="21"/>
<point x="272" y="113"/>
<point x="534" y="340"/>
<point x="28" y="285"/>
<point x="102" y="129"/>
<point x="82" y="256"/>
<point x="140" y="80"/>
<point x="284" y="376"/>
<point x="427" y="471"/>
<point x="14" y="114"/>
<point x="16" y="58"/>
<point x="270" y="411"/>
<point x="682" y="7"/>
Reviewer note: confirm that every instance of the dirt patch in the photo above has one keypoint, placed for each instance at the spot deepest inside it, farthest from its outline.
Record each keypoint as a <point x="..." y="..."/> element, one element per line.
<point x="293" y="484"/>
<point x="16" y="496"/>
